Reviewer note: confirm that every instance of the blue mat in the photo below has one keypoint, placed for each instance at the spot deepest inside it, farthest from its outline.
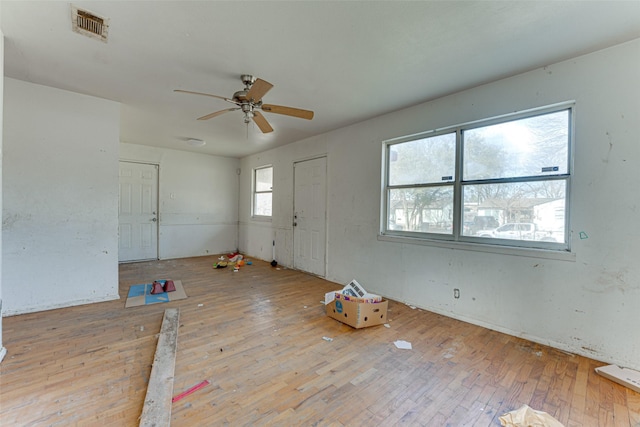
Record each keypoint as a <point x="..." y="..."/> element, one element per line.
<point x="141" y="294"/>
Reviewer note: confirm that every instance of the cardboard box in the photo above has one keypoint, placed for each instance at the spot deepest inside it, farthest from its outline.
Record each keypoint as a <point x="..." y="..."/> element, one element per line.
<point x="368" y="298"/>
<point x="358" y="314"/>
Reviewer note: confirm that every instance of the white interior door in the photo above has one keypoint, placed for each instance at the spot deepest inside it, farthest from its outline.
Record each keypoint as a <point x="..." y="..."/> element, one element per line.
<point x="309" y="217"/>
<point x="138" y="212"/>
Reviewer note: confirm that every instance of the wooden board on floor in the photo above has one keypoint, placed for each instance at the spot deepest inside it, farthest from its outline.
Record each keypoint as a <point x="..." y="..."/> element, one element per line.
<point x="623" y="376"/>
<point x="157" y="402"/>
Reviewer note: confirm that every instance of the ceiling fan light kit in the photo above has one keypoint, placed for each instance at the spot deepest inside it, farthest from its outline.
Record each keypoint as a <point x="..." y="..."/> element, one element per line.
<point x="249" y="100"/>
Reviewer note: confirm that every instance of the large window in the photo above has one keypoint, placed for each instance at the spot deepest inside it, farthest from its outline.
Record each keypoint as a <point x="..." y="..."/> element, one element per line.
<point x="502" y="181"/>
<point x="262" y="191"/>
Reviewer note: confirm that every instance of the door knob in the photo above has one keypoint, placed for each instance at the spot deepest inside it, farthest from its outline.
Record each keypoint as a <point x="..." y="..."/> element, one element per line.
<point x="154" y="219"/>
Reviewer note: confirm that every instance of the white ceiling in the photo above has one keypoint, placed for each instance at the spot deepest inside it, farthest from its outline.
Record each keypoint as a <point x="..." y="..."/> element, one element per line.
<point x="346" y="60"/>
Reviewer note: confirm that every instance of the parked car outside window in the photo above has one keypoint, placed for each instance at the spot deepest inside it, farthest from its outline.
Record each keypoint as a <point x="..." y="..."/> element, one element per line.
<point x="519" y="231"/>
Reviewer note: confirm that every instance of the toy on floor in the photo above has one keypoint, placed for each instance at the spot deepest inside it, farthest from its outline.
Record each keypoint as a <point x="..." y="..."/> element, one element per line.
<point x="162" y="286"/>
<point x="169" y="286"/>
<point x="235" y="257"/>
<point x="157" y="288"/>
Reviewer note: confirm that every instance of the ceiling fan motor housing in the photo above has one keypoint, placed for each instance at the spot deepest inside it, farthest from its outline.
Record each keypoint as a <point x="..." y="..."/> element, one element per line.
<point x="240" y="95"/>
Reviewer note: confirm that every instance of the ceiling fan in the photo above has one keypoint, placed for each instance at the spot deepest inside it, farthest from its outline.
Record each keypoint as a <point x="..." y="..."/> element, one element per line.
<point x="249" y="100"/>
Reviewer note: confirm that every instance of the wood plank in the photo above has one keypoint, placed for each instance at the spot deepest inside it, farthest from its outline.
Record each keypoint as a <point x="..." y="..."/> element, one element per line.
<point x="156" y="411"/>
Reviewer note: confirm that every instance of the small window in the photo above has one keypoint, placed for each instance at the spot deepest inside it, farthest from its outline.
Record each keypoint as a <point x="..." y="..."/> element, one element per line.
<point x="501" y="181"/>
<point x="262" y="191"/>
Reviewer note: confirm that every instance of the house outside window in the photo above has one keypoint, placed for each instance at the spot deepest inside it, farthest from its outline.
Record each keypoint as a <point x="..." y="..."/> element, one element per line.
<point x="262" y="191"/>
<point x="474" y="182"/>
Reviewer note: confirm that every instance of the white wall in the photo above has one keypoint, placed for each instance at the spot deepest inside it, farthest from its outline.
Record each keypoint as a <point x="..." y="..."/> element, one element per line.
<point x="588" y="305"/>
<point x="60" y="198"/>
<point x="257" y="236"/>
<point x="198" y="200"/>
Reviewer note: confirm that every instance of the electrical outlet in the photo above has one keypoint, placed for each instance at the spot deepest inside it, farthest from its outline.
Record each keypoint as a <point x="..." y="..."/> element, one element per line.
<point x="456" y="293"/>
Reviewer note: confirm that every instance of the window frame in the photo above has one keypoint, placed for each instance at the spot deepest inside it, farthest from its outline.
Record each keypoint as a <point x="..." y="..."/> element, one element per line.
<point x="255" y="192"/>
<point x="457" y="239"/>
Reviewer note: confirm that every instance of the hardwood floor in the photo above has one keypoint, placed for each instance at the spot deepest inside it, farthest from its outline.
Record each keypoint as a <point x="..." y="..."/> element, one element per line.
<point x="257" y="337"/>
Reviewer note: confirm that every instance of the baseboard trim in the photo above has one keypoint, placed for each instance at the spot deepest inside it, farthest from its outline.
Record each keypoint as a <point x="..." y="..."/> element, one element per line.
<point x="34" y="309"/>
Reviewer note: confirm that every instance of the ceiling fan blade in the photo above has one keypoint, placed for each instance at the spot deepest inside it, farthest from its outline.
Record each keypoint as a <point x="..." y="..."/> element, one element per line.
<point x="217" y="113"/>
<point x="288" y="111"/>
<point x="206" y="94"/>
<point x="258" y="90"/>
<point x="262" y="123"/>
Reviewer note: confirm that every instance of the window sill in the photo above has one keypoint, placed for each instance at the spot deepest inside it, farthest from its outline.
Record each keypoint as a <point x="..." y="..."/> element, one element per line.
<point x="479" y="247"/>
<point x="261" y="218"/>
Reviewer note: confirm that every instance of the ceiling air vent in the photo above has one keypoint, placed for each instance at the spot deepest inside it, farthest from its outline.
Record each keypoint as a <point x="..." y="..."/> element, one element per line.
<point x="89" y="24"/>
